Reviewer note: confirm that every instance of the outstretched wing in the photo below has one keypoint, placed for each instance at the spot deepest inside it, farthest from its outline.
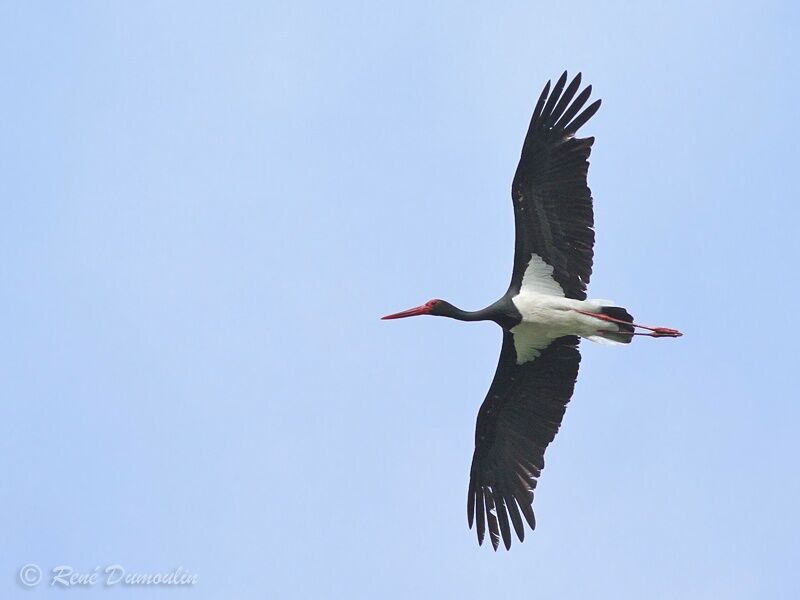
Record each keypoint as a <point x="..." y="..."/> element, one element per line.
<point x="552" y="203"/>
<point x="519" y="418"/>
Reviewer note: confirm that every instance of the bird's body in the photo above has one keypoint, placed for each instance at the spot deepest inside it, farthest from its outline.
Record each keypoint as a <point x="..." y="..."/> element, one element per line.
<point x="551" y="317"/>
<point x="543" y="314"/>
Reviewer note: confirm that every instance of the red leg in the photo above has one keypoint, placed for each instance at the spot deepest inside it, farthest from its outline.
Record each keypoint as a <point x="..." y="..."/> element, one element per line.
<point x="656" y="331"/>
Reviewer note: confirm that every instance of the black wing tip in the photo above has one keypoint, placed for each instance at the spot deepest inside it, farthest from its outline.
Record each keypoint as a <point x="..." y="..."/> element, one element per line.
<point x="557" y="107"/>
<point x="582" y="118"/>
<point x="479" y="513"/>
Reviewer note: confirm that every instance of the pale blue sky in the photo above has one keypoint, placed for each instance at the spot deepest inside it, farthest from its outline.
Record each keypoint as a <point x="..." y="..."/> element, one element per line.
<point x="207" y="206"/>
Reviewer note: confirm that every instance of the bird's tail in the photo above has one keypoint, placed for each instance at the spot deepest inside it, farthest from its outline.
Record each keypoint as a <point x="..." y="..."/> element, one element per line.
<point x="623" y="336"/>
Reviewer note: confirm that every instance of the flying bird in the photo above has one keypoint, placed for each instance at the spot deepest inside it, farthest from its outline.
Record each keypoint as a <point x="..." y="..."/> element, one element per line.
<point x="543" y="315"/>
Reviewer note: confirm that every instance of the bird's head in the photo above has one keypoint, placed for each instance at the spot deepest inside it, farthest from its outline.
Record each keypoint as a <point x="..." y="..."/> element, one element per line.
<point x="434" y="307"/>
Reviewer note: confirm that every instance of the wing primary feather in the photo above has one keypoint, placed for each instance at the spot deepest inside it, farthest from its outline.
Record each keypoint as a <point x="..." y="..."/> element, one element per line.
<point x="574" y="108"/>
<point x="551" y="102"/>
<point x="569" y="93"/>
<point x="491" y="518"/>
<point x="480" y="524"/>
<point x="538" y="110"/>
<point x="581" y="119"/>
<point x="502" y="517"/>
<point x="523" y="494"/>
<point x="513" y="511"/>
<point x="470" y="501"/>
<point x="527" y="512"/>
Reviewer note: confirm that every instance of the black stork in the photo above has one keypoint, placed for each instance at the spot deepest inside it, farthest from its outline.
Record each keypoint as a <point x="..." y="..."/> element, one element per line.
<point x="543" y="315"/>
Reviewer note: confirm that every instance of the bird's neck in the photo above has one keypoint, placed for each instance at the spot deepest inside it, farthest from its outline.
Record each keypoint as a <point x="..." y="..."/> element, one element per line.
<point x="466" y="315"/>
<point x="503" y="312"/>
<point x="453" y="312"/>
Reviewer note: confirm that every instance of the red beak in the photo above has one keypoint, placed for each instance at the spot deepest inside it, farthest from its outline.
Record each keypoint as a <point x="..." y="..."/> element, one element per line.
<point x="411" y="312"/>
